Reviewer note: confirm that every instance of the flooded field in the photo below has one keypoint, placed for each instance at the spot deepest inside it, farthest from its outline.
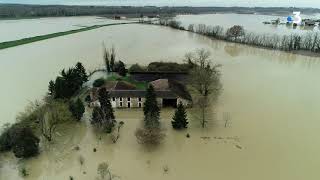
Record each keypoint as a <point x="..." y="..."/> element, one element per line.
<point x="271" y="98"/>
<point x="24" y="28"/>
<point x="251" y="22"/>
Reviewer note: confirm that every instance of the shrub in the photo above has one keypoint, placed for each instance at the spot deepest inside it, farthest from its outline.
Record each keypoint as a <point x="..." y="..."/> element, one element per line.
<point x="137" y="68"/>
<point x="77" y="109"/>
<point x="20" y="140"/>
<point x="98" y="82"/>
<point x="149" y="136"/>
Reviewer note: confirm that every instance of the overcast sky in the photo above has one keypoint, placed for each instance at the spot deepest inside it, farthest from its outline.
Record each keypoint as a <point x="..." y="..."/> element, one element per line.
<point x="250" y="3"/>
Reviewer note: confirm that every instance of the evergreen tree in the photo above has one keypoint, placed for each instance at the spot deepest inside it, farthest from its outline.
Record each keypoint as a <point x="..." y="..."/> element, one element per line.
<point x="77" y="109"/>
<point x="151" y="109"/>
<point x="69" y="82"/>
<point x="179" y="120"/>
<point x="112" y="58"/>
<point x="51" y="88"/>
<point x="106" y="57"/>
<point x="103" y="116"/>
<point x="81" y="71"/>
<point x="122" y="69"/>
<point x="97" y="117"/>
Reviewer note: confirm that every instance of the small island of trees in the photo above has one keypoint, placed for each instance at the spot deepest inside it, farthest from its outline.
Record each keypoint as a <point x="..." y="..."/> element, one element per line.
<point x="69" y="98"/>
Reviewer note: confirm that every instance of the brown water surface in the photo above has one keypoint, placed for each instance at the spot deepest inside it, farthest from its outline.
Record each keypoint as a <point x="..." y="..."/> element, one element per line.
<point x="270" y="97"/>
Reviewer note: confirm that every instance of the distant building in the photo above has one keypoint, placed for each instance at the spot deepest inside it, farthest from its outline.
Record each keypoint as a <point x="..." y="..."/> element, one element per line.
<point x="125" y="95"/>
<point x="119" y="17"/>
<point x="309" y="22"/>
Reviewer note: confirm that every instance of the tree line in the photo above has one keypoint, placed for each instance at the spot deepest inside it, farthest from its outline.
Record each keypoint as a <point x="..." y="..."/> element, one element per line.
<point x="293" y="42"/>
<point x="16" y="10"/>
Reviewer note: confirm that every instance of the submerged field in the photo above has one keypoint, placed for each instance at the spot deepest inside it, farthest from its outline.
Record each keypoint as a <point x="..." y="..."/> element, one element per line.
<point x="269" y="96"/>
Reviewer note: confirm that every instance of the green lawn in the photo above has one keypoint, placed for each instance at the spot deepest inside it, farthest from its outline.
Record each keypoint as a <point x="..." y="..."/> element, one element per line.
<point x="138" y="84"/>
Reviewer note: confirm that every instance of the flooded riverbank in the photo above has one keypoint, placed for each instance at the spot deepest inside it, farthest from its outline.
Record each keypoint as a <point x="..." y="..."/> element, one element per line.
<point x="251" y="22"/>
<point x="269" y="96"/>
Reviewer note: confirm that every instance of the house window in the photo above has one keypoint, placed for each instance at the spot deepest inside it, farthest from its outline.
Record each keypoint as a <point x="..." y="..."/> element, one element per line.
<point x="121" y="99"/>
<point x="129" y="105"/>
<point x="128" y="99"/>
<point x="139" y="105"/>
<point x="113" y="99"/>
<point x="139" y="99"/>
<point x="120" y="104"/>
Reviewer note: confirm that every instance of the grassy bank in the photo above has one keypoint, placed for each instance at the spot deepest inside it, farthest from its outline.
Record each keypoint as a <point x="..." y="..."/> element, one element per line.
<point x="19" y="42"/>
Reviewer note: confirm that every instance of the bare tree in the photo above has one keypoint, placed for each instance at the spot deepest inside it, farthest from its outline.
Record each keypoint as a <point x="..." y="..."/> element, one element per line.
<point x="116" y="135"/>
<point x="149" y="136"/>
<point x="52" y="115"/>
<point x="191" y="27"/>
<point x="205" y="79"/>
<point x="104" y="172"/>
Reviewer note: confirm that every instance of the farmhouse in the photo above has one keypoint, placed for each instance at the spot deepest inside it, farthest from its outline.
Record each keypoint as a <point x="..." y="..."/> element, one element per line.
<point x="125" y="95"/>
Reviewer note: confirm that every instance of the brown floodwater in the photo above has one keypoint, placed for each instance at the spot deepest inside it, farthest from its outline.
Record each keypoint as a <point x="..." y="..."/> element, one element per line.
<point x="24" y="28"/>
<point x="270" y="98"/>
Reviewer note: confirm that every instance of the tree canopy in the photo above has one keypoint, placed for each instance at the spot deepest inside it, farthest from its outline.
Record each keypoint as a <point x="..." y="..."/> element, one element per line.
<point x="77" y="109"/>
<point x="179" y="120"/>
<point x="103" y="116"/>
<point x="69" y="82"/>
<point x="151" y="109"/>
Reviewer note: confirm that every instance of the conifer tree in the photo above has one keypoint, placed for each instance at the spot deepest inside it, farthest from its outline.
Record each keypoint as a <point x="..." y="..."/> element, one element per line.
<point x="51" y="88"/>
<point x="151" y="109"/>
<point x="112" y="58"/>
<point x="103" y="116"/>
<point x="81" y="71"/>
<point x="77" y="109"/>
<point x="179" y="120"/>
<point x="106" y="57"/>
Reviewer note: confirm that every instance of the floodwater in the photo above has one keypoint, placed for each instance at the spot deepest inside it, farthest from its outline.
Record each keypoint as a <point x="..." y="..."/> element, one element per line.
<point x="23" y="28"/>
<point x="250" y="22"/>
<point x="270" y="99"/>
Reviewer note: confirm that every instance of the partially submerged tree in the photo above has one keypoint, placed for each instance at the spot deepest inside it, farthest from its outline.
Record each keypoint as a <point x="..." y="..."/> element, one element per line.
<point x="25" y="143"/>
<point x="191" y="27"/>
<point x="77" y="109"/>
<point x="105" y="172"/>
<point x="106" y="58"/>
<point x="151" y="109"/>
<point x="205" y="79"/>
<point x="179" y="120"/>
<point x="103" y="116"/>
<point x="21" y="140"/>
<point x="235" y="32"/>
<point x="116" y="135"/>
<point x="151" y="133"/>
<point x="51" y="116"/>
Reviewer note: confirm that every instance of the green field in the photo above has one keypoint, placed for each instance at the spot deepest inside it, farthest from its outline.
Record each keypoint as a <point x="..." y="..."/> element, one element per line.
<point x="139" y="85"/>
<point x="19" y="42"/>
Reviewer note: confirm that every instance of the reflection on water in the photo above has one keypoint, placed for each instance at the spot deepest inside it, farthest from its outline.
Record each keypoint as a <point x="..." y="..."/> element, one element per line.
<point x="270" y="98"/>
